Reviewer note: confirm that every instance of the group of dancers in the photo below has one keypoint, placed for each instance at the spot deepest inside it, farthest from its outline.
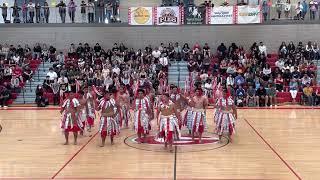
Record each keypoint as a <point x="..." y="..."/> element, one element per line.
<point x="79" y="112"/>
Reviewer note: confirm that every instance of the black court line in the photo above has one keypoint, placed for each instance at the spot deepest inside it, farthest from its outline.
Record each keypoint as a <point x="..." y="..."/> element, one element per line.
<point x="175" y="163"/>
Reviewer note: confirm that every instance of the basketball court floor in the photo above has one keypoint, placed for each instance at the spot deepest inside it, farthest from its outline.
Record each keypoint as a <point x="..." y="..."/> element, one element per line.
<point x="280" y="143"/>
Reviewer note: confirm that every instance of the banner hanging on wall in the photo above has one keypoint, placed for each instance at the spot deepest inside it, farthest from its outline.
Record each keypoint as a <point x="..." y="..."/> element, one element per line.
<point x="248" y="14"/>
<point x="140" y="15"/>
<point x="221" y="15"/>
<point x="168" y="15"/>
<point x="194" y="15"/>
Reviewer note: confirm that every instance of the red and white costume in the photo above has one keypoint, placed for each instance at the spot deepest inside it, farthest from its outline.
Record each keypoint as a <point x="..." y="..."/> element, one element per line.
<point x="91" y="111"/>
<point x="141" y="118"/>
<point x="188" y="117"/>
<point x="198" y="120"/>
<point x="71" y="122"/>
<point x="168" y="124"/>
<point x="226" y="120"/>
<point x="124" y="115"/>
<point x="109" y="126"/>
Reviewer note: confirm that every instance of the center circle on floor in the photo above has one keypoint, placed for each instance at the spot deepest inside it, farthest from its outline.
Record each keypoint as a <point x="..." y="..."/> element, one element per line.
<point x="210" y="141"/>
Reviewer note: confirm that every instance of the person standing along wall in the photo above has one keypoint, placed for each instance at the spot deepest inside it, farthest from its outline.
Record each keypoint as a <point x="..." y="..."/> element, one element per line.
<point x="46" y="11"/>
<point x="31" y="9"/>
<point x="38" y="12"/>
<point x="4" y="9"/>
<point x="72" y="10"/>
<point x="100" y="11"/>
<point x="83" y="12"/>
<point x="90" y="11"/>
<point x="62" y="11"/>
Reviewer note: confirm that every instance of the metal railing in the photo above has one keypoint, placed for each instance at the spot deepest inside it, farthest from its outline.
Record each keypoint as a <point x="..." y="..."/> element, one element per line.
<point x="106" y="16"/>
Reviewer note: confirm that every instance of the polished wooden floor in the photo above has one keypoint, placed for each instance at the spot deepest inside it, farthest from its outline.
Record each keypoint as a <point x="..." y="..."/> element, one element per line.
<point x="269" y="144"/>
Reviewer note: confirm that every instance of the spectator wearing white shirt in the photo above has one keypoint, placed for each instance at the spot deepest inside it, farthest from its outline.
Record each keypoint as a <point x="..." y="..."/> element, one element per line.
<point x="230" y="80"/>
<point x="156" y="54"/>
<point x="116" y="70"/>
<point x="31" y="8"/>
<point x="280" y="63"/>
<point x="60" y="57"/>
<point x="262" y="49"/>
<point x="52" y="75"/>
<point x="164" y="61"/>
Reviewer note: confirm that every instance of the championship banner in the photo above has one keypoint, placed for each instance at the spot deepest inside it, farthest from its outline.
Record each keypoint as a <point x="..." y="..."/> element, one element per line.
<point x="194" y="15"/>
<point x="168" y="15"/>
<point x="140" y="16"/>
<point x="221" y="15"/>
<point x="248" y="14"/>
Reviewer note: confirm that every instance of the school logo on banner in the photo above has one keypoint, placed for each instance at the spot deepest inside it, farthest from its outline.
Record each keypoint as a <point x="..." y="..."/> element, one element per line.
<point x="168" y="16"/>
<point x="248" y="14"/>
<point x="140" y="16"/>
<point x="194" y="15"/>
<point x="221" y="15"/>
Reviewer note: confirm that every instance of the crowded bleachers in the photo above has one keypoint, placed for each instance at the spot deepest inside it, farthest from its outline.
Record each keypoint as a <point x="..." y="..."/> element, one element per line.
<point x="278" y="77"/>
<point x="17" y="66"/>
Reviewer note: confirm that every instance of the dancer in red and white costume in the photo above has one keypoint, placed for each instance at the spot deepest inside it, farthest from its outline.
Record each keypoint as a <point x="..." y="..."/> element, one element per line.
<point x="70" y="117"/>
<point x="83" y="111"/>
<point x="123" y="99"/>
<point x="142" y="114"/>
<point x="199" y="104"/>
<point x="108" y="124"/>
<point x="189" y="113"/>
<point x="90" y="105"/>
<point x="178" y="101"/>
<point x="168" y="120"/>
<point x="227" y="116"/>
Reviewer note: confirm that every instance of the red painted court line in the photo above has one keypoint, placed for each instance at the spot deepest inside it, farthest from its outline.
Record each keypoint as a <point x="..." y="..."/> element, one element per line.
<point x="74" y="156"/>
<point x="265" y="141"/>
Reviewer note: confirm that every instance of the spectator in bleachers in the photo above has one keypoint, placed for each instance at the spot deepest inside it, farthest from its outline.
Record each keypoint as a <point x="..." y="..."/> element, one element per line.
<point x="55" y="86"/>
<point x="60" y="57"/>
<point x="52" y="75"/>
<point x="271" y="93"/>
<point x="313" y="9"/>
<point x="308" y="94"/>
<point x="251" y="96"/>
<point x="294" y="87"/>
<point x="46" y="84"/>
<point x="305" y="80"/>
<point x="279" y="83"/>
<point x="40" y="100"/>
<point x="4" y="95"/>
<point x="15" y="84"/>
<point x="262" y="49"/>
<point x="304" y="9"/>
<point x="261" y="96"/>
<point x="240" y="96"/>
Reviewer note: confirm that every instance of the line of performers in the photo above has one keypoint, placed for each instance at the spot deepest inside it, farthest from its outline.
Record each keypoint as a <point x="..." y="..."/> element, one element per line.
<point x="80" y="111"/>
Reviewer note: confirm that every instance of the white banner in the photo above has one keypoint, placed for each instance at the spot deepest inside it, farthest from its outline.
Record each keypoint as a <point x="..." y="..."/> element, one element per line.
<point x="168" y="15"/>
<point x="140" y="16"/>
<point x="222" y="15"/>
<point x="248" y="14"/>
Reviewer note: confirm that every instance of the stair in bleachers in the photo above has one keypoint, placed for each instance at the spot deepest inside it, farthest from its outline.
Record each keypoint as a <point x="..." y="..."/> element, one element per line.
<point x="28" y="93"/>
<point x="178" y="72"/>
